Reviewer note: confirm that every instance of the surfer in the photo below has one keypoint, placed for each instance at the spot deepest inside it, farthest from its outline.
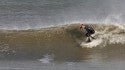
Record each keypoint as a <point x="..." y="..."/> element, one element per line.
<point x="88" y="32"/>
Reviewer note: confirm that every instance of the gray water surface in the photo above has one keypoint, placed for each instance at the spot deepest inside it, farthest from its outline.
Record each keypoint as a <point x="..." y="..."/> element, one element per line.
<point x="25" y="14"/>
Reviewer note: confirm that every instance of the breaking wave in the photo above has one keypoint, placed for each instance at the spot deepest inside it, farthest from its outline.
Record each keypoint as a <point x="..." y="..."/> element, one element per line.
<point x="62" y="42"/>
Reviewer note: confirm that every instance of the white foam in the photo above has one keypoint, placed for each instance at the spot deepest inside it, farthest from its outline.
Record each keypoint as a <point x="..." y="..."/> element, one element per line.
<point x="46" y="59"/>
<point x="106" y="37"/>
<point x="121" y="26"/>
<point x="117" y="39"/>
<point x="107" y="34"/>
<point x="92" y="44"/>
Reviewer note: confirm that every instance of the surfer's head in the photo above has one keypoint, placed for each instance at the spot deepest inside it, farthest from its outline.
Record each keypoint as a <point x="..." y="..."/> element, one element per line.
<point x="83" y="25"/>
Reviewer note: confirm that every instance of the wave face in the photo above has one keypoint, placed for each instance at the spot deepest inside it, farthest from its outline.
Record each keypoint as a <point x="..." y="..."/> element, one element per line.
<point x="62" y="42"/>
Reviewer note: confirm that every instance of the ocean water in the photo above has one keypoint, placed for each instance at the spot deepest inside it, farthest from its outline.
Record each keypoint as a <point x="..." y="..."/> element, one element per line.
<point x="63" y="48"/>
<point x="46" y="35"/>
<point x="34" y="14"/>
<point x="34" y="65"/>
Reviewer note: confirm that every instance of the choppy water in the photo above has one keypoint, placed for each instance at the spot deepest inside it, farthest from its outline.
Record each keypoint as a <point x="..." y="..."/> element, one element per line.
<point x="35" y="65"/>
<point x="30" y="14"/>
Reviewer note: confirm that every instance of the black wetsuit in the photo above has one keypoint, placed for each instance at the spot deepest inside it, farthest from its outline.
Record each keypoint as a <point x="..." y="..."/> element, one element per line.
<point x="89" y="31"/>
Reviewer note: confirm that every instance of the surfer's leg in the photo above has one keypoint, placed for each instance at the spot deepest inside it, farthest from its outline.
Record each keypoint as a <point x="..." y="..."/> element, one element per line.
<point x="88" y="39"/>
<point x="92" y="37"/>
<point x="87" y="35"/>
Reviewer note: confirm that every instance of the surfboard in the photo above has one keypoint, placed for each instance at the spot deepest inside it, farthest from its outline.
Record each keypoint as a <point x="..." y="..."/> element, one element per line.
<point x="89" y="39"/>
<point x="93" y="43"/>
